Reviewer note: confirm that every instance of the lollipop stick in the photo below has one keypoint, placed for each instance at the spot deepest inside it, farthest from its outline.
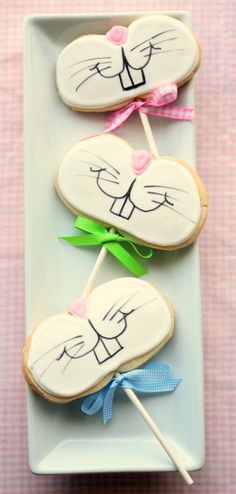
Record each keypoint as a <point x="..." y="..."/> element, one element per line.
<point x="179" y="465"/>
<point x="149" y="134"/>
<point x="129" y="392"/>
<point x="95" y="270"/>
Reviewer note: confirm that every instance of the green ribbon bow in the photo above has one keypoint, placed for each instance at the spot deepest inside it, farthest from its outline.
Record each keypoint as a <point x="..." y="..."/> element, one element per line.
<point x="99" y="235"/>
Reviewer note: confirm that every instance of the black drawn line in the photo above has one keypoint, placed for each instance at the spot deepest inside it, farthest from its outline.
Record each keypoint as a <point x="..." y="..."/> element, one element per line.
<point x="88" y="60"/>
<point x="165" y="199"/>
<point x="123" y="305"/>
<point x="153" y="45"/>
<point x="58" y="358"/>
<point x="90" y="67"/>
<point x="163" y="51"/>
<point x="160" y="194"/>
<point x="100" y="169"/>
<point x="74" y="357"/>
<point x="178" y="212"/>
<point x="110" y="309"/>
<point x="91" y="176"/>
<point x="146" y="303"/>
<point x="89" y="77"/>
<point x="125" y="315"/>
<point x="165" y="187"/>
<point x="66" y="350"/>
<point x="152" y="37"/>
<point x="102" y="159"/>
<point x="127" y="65"/>
<point x="56" y="346"/>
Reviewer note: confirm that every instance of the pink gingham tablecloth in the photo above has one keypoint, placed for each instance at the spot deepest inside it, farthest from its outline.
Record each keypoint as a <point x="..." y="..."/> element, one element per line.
<point x="215" y="25"/>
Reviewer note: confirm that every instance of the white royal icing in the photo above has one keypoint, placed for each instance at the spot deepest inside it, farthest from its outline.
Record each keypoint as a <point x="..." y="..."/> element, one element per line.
<point x="126" y="318"/>
<point x="94" y="73"/>
<point x="161" y="206"/>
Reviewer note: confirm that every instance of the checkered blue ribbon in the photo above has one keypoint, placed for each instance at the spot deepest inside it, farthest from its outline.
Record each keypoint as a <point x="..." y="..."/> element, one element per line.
<point x="154" y="378"/>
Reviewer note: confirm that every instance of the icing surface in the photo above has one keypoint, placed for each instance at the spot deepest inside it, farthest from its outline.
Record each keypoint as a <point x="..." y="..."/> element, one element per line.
<point x="160" y="206"/>
<point x="98" y="71"/>
<point x="126" y="318"/>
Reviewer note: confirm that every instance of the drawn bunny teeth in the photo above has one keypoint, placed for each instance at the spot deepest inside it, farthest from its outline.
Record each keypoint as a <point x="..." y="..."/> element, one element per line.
<point x="130" y="77"/>
<point x="159" y="201"/>
<point x="123" y="206"/>
<point x="67" y="355"/>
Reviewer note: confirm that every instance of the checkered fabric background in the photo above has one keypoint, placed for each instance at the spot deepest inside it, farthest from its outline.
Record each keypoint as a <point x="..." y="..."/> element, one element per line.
<point x="215" y="25"/>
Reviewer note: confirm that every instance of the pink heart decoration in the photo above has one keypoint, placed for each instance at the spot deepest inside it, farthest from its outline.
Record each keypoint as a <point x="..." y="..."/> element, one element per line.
<point x="140" y="161"/>
<point x="79" y="308"/>
<point x="117" y="35"/>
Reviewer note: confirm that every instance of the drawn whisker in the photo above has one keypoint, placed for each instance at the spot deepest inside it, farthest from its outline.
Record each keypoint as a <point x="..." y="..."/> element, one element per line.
<point x="152" y="37"/>
<point x="163" y="51"/>
<point x="89" y="77"/>
<point x="48" y="366"/>
<point x="165" y="41"/>
<point x="56" y="346"/>
<point x="125" y="315"/>
<point x="176" y="211"/>
<point x="123" y="305"/>
<point x="165" y="187"/>
<point x="110" y="309"/>
<point x="95" y="178"/>
<point x="66" y="350"/>
<point x="146" y="303"/>
<point x="90" y="67"/>
<point x="159" y="194"/>
<point x="153" y="45"/>
<point x="151" y="48"/>
<point x="99" y="168"/>
<point x="88" y="60"/>
<point x="72" y="358"/>
<point x="102" y="159"/>
<point x="80" y="344"/>
<point x="159" y="204"/>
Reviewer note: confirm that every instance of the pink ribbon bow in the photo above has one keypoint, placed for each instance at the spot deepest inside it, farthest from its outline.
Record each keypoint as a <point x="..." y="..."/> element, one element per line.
<point x="153" y="105"/>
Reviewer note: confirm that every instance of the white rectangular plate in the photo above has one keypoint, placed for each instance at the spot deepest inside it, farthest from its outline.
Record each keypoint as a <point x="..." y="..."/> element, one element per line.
<point x="61" y="438"/>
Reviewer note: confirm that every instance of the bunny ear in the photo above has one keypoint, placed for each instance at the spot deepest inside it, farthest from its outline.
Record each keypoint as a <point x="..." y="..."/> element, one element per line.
<point x="96" y="72"/>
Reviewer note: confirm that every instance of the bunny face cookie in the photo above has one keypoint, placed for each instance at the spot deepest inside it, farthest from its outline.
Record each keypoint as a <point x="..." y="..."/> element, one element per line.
<point x="122" y="324"/>
<point x="102" y="72"/>
<point x="159" y="202"/>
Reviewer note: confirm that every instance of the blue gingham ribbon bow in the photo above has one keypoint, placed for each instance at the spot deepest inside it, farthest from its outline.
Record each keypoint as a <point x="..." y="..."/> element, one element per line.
<point x="154" y="378"/>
